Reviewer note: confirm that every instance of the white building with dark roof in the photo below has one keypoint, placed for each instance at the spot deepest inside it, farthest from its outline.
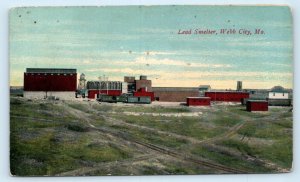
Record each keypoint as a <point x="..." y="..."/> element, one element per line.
<point x="278" y="92"/>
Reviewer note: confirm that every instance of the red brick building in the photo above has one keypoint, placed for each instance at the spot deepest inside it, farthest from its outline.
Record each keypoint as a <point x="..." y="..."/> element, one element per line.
<point x="143" y="83"/>
<point x="257" y="105"/>
<point x="198" y="101"/>
<point x="227" y="96"/>
<point x="41" y="83"/>
<point x="143" y="92"/>
<point x="174" y="94"/>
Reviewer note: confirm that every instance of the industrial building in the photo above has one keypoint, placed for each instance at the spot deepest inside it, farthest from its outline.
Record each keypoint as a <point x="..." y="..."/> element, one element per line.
<point x="130" y="86"/>
<point x="257" y="105"/>
<point x="278" y="96"/>
<point x="45" y="83"/>
<point x="141" y="87"/>
<point x="203" y="89"/>
<point x="143" y="83"/>
<point x="130" y="80"/>
<point x="198" y="101"/>
<point x="227" y="96"/>
<point x="135" y="85"/>
<point x="143" y="92"/>
<point x="278" y="92"/>
<point x="42" y="83"/>
<point x="174" y="94"/>
<point x="112" y="88"/>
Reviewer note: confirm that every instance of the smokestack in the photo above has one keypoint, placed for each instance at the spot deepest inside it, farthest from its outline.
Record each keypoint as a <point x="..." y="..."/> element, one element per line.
<point x="239" y="86"/>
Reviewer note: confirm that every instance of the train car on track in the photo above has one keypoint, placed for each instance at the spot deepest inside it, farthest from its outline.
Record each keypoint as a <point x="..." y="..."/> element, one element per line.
<point x="125" y="99"/>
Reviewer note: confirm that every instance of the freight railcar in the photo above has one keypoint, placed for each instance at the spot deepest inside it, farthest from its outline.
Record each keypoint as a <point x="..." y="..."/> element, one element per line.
<point x="139" y="100"/>
<point x="107" y="98"/>
<point x="125" y="99"/>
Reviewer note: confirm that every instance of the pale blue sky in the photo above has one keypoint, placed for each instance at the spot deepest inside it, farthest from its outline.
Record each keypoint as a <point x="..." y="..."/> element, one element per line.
<point x="118" y="41"/>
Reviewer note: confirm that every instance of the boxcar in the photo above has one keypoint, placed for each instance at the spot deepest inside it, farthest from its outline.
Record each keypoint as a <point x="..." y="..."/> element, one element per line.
<point x="121" y="98"/>
<point x="139" y="100"/>
<point x="108" y="98"/>
<point x="145" y="100"/>
<point x="132" y="99"/>
<point x="280" y="102"/>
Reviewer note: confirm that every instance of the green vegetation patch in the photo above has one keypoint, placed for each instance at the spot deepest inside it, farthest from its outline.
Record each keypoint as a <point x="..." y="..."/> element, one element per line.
<point x="77" y="127"/>
<point x="281" y="153"/>
<point x="151" y="137"/>
<point x="81" y="107"/>
<point x="274" y="129"/>
<point x="187" y="126"/>
<point x="225" y="121"/>
<point x="43" y="144"/>
<point x="54" y="156"/>
<point x="240" y="146"/>
<point x="140" y="108"/>
<point x="157" y="109"/>
<point x="228" y="160"/>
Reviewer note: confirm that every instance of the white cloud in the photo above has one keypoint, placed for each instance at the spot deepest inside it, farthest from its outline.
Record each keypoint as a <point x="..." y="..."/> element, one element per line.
<point x="191" y="74"/>
<point x="142" y="60"/>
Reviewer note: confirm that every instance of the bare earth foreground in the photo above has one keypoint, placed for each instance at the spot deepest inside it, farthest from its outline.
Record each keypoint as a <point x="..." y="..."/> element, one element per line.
<point x="67" y="138"/>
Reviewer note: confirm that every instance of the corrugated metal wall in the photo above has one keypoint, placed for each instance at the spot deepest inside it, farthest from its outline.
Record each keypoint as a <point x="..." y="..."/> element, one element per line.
<point x="101" y="85"/>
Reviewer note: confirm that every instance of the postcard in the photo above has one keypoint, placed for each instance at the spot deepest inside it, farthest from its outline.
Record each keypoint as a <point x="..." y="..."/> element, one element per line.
<point x="150" y="90"/>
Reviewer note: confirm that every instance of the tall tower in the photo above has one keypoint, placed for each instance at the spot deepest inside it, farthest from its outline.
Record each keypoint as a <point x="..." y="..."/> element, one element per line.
<point x="239" y="86"/>
<point x="82" y="82"/>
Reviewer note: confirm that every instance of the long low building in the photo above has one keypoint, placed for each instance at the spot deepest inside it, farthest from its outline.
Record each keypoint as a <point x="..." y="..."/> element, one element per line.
<point x="227" y="96"/>
<point x="42" y="83"/>
<point x="112" y="88"/>
<point x="174" y="94"/>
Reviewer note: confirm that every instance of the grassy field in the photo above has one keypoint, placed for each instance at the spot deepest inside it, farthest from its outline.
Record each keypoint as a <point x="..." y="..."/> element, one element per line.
<point x="87" y="138"/>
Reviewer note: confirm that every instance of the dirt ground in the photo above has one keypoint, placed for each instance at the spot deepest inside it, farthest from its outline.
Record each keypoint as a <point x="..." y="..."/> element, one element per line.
<point x="70" y="138"/>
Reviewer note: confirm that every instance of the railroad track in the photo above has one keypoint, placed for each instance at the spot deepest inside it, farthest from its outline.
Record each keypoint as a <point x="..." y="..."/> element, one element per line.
<point x="172" y="153"/>
<point x="159" y="149"/>
<point x="88" y="170"/>
<point x="191" y="159"/>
